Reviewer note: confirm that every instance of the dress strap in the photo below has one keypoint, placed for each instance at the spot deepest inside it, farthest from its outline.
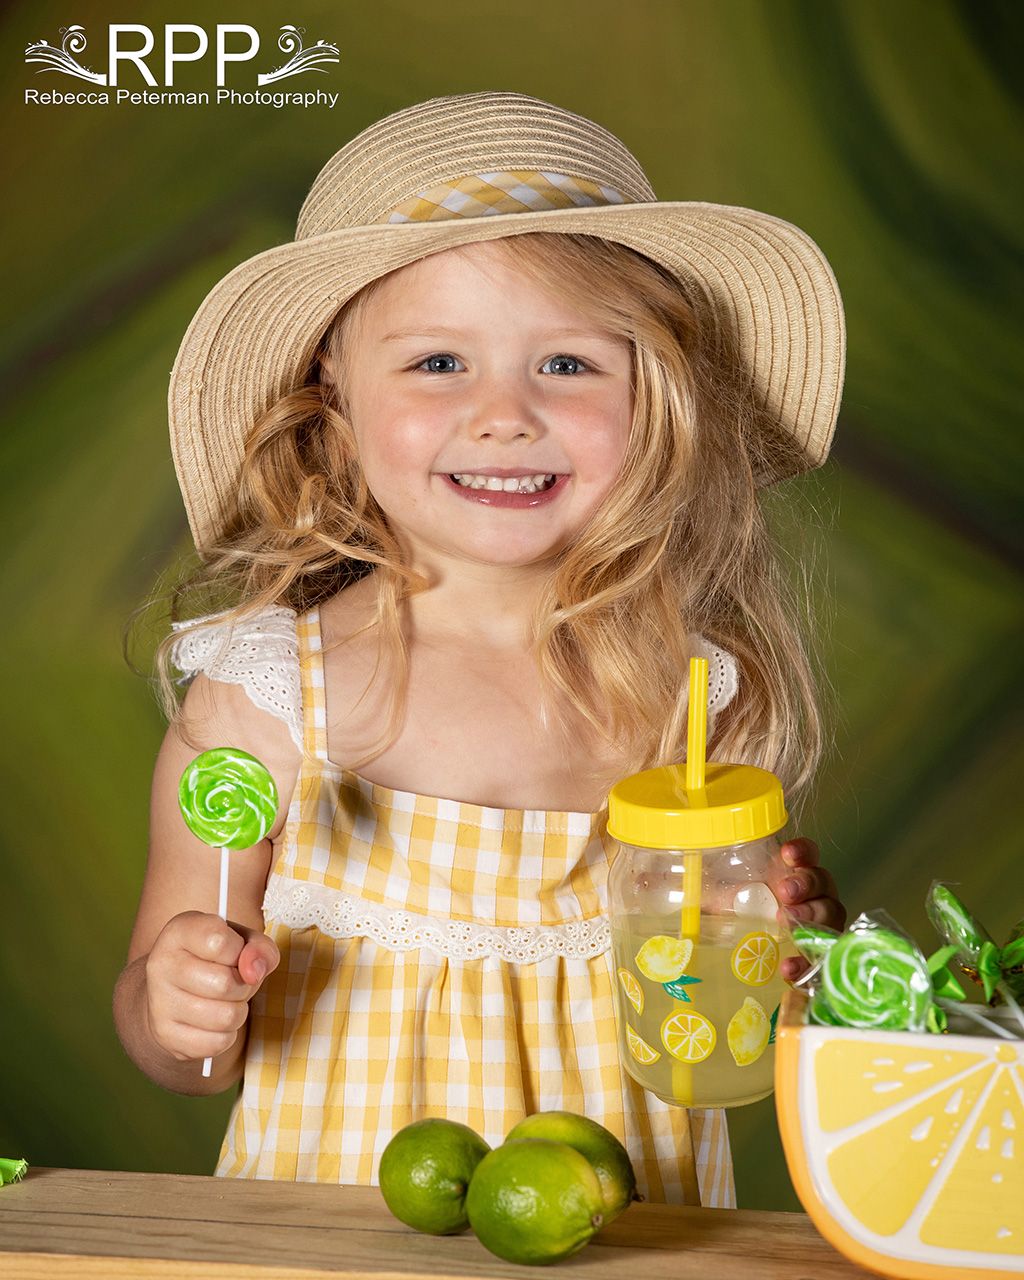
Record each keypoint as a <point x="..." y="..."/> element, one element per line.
<point x="311" y="670"/>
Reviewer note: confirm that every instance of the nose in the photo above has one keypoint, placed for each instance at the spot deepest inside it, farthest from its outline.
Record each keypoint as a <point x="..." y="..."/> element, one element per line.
<point x="503" y="410"/>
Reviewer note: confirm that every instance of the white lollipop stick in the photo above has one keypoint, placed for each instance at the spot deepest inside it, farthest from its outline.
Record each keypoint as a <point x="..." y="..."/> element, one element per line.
<point x="222" y="911"/>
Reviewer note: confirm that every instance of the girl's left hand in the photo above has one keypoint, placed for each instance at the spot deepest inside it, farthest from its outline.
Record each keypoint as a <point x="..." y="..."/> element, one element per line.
<point x="808" y="893"/>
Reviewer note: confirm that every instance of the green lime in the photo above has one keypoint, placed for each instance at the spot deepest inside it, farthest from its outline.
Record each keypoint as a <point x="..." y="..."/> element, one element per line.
<point x="607" y="1155"/>
<point x="425" y="1171"/>
<point x="534" y="1201"/>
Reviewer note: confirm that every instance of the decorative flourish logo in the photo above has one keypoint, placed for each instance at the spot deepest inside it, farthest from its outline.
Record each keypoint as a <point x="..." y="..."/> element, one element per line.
<point x="62" y="58"/>
<point x="290" y="41"/>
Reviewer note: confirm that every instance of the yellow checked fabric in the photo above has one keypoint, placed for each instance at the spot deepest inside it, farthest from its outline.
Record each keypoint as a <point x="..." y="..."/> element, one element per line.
<point x="438" y="959"/>
<point x="504" y="191"/>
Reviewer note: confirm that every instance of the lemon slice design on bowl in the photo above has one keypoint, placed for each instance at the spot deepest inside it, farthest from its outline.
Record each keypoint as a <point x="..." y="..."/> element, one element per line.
<point x="905" y="1148"/>
<point x="748" y="1032"/>
<point x="663" y="959"/>
<point x="634" y="991"/>
<point x="755" y="958"/>
<point x="640" y="1049"/>
<point x="688" y="1036"/>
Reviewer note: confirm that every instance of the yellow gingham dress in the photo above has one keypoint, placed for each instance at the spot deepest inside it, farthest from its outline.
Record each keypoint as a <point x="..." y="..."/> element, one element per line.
<point x="438" y="959"/>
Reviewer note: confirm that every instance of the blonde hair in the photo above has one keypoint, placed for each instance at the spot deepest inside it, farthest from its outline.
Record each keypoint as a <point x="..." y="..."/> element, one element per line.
<point x="681" y="546"/>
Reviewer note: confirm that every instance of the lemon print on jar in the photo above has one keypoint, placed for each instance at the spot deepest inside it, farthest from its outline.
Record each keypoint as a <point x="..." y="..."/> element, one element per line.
<point x="640" y="1049"/>
<point x="663" y="959"/>
<point x="748" y="1032"/>
<point x="634" y="991"/>
<point x="909" y="1145"/>
<point x="755" y="958"/>
<point x="688" y="1036"/>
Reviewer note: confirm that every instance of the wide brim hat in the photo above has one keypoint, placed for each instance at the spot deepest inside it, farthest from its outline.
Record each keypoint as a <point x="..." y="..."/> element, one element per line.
<point x="473" y="167"/>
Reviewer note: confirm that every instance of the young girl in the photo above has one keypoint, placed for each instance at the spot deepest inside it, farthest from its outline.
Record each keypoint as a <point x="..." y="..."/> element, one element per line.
<point x="472" y="467"/>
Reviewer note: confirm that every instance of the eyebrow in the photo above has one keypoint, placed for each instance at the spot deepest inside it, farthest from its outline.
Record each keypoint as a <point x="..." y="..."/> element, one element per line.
<point x="443" y="331"/>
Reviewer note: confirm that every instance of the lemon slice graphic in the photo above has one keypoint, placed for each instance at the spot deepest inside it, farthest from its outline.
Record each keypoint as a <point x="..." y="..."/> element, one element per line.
<point x="640" y="1049"/>
<point x="755" y="958"/>
<point x="688" y="1036"/>
<point x="748" y="1032"/>
<point x="907" y="1146"/>
<point x="663" y="959"/>
<point x="634" y="991"/>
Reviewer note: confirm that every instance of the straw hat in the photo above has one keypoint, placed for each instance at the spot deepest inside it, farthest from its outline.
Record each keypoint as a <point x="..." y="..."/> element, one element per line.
<point x="473" y="167"/>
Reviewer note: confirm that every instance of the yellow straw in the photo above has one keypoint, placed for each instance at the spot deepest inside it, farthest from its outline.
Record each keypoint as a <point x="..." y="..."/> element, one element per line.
<point x="696" y="754"/>
<point x="689" y="921"/>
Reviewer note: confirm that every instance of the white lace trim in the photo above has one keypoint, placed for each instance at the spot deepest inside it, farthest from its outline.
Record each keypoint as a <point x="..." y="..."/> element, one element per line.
<point x="262" y="655"/>
<point x="341" y="915"/>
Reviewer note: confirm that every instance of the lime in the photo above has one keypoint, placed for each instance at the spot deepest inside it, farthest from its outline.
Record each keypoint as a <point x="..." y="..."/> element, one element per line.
<point x="534" y="1201"/>
<point x="608" y="1157"/>
<point x="425" y="1171"/>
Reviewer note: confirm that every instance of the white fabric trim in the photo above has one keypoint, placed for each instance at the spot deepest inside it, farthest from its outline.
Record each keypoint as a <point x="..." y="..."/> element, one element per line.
<point x="262" y="655"/>
<point x="301" y="905"/>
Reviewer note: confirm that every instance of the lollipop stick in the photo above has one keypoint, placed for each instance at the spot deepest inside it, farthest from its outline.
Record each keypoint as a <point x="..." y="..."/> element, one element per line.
<point x="968" y="1011"/>
<point x="222" y="911"/>
<point x="1008" y="996"/>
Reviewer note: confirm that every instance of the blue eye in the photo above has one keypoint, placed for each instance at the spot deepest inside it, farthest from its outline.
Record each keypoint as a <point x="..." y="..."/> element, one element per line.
<point x="441" y="355"/>
<point x="567" y="359"/>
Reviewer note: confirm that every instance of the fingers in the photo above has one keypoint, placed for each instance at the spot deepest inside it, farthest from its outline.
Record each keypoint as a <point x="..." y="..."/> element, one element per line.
<point x="806" y="891"/>
<point x="201" y="975"/>
<point x="258" y="957"/>
<point x="794" y="967"/>
<point x="800" y="886"/>
<point x="800" y="852"/>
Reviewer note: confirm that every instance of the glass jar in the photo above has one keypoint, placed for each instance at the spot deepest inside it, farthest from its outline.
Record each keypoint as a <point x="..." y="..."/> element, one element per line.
<point x="696" y="940"/>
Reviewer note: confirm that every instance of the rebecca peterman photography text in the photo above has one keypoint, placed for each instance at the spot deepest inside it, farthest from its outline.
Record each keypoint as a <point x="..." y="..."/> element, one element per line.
<point x="166" y="98"/>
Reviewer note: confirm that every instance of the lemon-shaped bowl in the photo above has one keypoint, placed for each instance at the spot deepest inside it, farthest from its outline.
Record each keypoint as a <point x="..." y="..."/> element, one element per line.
<point x="906" y="1149"/>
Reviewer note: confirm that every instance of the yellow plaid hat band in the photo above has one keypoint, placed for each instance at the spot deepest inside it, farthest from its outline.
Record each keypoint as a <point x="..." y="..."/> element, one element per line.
<point x="504" y="191"/>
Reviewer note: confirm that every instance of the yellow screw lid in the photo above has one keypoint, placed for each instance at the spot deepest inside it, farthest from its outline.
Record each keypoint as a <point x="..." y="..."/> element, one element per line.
<point x="654" y="809"/>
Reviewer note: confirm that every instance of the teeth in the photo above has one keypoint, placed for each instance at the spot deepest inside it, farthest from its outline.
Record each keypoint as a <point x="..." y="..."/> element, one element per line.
<point x="524" y="484"/>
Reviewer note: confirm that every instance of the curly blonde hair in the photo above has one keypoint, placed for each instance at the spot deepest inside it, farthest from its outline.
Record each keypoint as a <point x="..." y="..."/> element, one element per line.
<point x="681" y="546"/>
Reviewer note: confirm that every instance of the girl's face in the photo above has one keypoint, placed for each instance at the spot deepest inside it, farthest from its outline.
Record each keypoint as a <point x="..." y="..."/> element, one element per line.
<point x="464" y="367"/>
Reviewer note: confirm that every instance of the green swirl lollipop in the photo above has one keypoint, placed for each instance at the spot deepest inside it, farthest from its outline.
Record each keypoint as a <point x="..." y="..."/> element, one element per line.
<point x="870" y="977"/>
<point x="228" y="798"/>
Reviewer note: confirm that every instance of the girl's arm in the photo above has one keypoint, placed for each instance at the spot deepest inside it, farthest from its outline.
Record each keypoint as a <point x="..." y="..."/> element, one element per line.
<point x="184" y="991"/>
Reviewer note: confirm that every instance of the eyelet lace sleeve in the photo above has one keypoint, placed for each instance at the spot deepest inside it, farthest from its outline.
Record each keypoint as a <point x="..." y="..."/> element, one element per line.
<point x="261" y="654"/>
<point x="723" y="680"/>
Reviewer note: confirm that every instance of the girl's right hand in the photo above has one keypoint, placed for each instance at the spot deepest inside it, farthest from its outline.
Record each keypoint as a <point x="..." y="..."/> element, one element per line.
<point x="200" y="976"/>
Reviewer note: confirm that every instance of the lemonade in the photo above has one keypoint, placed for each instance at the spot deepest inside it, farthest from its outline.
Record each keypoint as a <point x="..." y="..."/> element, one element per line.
<point x="696" y="1022"/>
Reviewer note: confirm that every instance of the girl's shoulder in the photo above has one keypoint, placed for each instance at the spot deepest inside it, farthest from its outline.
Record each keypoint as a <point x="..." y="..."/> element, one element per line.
<point x="260" y="653"/>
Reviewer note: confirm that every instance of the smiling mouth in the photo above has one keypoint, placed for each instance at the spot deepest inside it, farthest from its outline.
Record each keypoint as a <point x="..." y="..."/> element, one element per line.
<point x="537" y="483"/>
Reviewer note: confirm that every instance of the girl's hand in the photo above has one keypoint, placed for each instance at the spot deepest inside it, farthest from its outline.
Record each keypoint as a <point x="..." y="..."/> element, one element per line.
<point x="807" y="893"/>
<point x="200" y="976"/>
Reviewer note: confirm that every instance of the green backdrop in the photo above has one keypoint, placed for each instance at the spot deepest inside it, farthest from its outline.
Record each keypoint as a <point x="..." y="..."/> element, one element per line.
<point x="886" y="130"/>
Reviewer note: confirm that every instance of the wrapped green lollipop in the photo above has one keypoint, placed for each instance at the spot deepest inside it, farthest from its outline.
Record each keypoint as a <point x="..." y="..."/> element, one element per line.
<point x="872" y="977"/>
<point x="999" y="970"/>
<point x="229" y="801"/>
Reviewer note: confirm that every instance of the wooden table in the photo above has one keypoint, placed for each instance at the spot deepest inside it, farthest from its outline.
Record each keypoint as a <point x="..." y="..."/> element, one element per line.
<point x="84" y="1222"/>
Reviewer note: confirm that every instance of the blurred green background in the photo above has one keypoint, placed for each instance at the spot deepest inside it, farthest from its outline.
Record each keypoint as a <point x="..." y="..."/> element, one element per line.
<point x="889" y="131"/>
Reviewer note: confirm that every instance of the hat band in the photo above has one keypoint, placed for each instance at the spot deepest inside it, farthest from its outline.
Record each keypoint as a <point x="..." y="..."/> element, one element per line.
<point x="505" y="191"/>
